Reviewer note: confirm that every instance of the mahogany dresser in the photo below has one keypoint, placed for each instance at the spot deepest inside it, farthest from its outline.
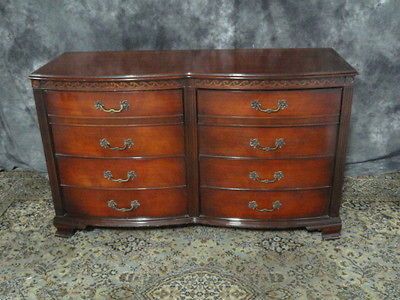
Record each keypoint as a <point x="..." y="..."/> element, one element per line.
<point x="250" y="138"/>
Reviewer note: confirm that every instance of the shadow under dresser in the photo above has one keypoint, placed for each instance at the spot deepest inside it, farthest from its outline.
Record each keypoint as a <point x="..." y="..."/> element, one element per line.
<point x="251" y="138"/>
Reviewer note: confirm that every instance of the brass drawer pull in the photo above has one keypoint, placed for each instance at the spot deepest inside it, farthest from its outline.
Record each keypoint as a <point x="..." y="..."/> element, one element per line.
<point x="275" y="206"/>
<point x="279" y="143"/>
<point x="134" y="205"/>
<point x="130" y="175"/>
<point x="277" y="176"/>
<point x="128" y="143"/>
<point x="123" y="106"/>
<point x="282" y="104"/>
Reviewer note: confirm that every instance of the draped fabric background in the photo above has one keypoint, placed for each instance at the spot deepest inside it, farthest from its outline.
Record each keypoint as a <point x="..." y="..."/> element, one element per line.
<point x="366" y="33"/>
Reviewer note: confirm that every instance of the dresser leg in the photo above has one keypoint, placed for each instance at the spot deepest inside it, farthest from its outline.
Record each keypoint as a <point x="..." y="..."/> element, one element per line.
<point x="331" y="233"/>
<point x="328" y="232"/>
<point x="64" y="231"/>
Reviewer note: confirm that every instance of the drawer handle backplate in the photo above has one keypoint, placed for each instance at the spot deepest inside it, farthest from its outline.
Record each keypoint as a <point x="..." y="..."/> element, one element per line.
<point x="130" y="175"/>
<point x="277" y="176"/>
<point x="275" y="206"/>
<point x="279" y="143"/>
<point x="128" y="143"/>
<point x="124" y="105"/>
<point x="134" y="205"/>
<point x="282" y="104"/>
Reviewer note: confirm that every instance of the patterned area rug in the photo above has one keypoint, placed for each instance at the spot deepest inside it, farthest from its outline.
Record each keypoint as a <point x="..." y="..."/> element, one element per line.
<point x="200" y="262"/>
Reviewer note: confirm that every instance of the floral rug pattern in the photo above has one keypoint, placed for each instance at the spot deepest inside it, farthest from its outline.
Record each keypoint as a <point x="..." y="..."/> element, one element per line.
<point x="198" y="262"/>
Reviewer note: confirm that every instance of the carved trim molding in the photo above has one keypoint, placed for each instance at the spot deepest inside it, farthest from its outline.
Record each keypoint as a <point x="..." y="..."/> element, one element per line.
<point x="274" y="84"/>
<point x="106" y="85"/>
<point x="35" y="84"/>
<point x="200" y="83"/>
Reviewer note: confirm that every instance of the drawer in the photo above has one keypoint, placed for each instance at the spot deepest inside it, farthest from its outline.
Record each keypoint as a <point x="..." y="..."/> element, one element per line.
<point x="266" y="174"/>
<point x="264" y="205"/>
<point x="267" y="142"/>
<point x="124" y="203"/>
<point x="271" y="104"/>
<point x="121" y="173"/>
<point x="114" y="104"/>
<point x="118" y="141"/>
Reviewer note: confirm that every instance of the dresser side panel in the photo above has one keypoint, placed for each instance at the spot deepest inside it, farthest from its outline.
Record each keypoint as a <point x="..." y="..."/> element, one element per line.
<point x="48" y="148"/>
<point x="341" y="148"/>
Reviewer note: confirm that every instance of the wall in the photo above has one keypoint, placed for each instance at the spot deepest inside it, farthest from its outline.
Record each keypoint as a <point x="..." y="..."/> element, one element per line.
<point x="366" y="33"/>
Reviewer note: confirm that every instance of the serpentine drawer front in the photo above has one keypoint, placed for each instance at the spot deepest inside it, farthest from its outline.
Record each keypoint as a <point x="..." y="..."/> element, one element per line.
<point x="246" y="138"/>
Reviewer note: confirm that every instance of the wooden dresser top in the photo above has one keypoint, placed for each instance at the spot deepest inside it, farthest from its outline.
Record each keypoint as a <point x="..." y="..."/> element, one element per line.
<point x="234" y="64"/>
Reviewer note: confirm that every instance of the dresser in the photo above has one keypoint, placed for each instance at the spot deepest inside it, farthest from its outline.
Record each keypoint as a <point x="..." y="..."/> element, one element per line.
<point x="249" y="138"/>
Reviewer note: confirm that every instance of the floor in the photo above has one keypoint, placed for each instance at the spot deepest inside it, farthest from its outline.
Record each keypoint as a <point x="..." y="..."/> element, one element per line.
<point x="199" y="262"/>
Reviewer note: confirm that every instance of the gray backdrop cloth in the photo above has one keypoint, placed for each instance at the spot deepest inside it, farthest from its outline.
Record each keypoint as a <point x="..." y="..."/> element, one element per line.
<point x="366" y="33"/>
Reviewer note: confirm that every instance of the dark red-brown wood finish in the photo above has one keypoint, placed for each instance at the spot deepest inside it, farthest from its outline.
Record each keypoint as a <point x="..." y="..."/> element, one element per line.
<point x="252" y="138"/>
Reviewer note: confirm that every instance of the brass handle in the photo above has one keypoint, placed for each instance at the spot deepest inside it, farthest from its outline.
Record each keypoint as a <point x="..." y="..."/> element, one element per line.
<point x="275" y="206"/>
<point x="124" y="105"/>
<point x="128" y="143"/>
<point x="134" y="205"/>
<point x="130" y="175"/>
<point x="282" y="104"/>
<point x="279" y="143"/>
<point x="277" y="176"/>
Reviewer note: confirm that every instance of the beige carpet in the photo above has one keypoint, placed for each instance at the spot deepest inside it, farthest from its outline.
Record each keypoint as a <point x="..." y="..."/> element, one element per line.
<point x="200" y="262"/>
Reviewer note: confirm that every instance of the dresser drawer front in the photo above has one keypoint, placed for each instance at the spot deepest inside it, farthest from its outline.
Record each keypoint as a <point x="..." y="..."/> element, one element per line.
<point x="114" y="104"/>
<point x="118" y="141"/>
<point x="124" y="203"/>
<point x="267" y="142"/>
<point x="264" y="205"/>
<point x="269" y="104"/>
<point x="122" y="173"/>
<point x="266" y="174"/>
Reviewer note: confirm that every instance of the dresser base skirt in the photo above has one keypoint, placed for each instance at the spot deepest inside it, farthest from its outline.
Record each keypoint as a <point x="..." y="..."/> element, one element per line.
<point x="330" y="227"/>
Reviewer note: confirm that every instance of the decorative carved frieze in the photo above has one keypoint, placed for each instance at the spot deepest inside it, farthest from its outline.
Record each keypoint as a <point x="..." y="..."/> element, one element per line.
<point x="200" y="83"/>
<point x="106" y="85"/>
<point x="274" y="83"/>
